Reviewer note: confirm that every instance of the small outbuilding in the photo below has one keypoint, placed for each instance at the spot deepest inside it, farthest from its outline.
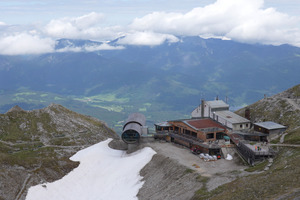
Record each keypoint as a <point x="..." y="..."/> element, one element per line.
<point x="271" y="128"/>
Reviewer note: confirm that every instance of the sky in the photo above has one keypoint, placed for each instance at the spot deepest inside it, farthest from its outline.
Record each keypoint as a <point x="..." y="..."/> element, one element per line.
<point x="103" y="173"/>
<point x="32" y="27"/>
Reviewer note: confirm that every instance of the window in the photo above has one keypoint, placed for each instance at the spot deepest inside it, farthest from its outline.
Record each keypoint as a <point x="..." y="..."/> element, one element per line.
<point x="241" y="126"/>
<point x="209" y="136"/>
<point x="247" y="125"/>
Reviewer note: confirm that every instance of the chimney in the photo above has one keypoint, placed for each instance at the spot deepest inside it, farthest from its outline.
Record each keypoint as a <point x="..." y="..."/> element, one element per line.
<point x="202" y="107"/>
<point x="247" y="113"/>
<point x="217" y="98"/>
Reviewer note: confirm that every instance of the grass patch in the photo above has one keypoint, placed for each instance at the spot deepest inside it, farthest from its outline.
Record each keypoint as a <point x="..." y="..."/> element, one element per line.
<point x="259" y="167"/>
<point x="293" y="137"/>
<point x="275" y="141"/>
<point x="202" y="179"/>
<point x="188" y="171"/>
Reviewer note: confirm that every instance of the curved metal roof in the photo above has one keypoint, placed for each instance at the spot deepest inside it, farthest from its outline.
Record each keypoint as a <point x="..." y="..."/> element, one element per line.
<point x="135" y="118"/>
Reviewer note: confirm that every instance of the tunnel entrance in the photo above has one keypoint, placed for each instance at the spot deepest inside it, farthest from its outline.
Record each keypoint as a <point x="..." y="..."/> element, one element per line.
<point x="130" y="136"/>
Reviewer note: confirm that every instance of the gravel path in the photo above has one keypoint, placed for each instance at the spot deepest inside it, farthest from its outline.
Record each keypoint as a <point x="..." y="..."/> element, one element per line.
<point x="293" y="103"/>
<point x="168" y="175"/>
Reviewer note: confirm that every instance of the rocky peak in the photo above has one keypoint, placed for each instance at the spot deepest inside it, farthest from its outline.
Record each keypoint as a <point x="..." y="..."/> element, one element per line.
<point x="16" y="109"/>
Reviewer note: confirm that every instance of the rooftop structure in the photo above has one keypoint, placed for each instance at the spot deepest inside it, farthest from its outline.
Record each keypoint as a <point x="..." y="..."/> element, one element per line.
<point x="232" y="120"/>
<point x="204" y="125"/>
<point x="270" y="128"/>
<point x="217" y="104"/>
<point x="207" y="108"/>
<point x="218" y="110"/>
<point x="270" y="125"/>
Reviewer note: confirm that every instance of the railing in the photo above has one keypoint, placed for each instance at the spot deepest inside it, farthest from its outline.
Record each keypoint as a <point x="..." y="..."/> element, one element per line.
<point x="251" y="156"/>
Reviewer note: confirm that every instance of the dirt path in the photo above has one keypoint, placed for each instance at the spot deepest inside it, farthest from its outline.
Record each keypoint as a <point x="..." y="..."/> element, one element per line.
<point x="219" y="172"/>
<point x="186" y="158"/>
<point x="293" y="103"/>
<point x="286" y="145"/>
<point x="282" y="138"/>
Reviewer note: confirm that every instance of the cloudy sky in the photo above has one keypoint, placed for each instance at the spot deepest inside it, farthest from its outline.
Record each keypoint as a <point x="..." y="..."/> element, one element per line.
<point x="32" y="27"/>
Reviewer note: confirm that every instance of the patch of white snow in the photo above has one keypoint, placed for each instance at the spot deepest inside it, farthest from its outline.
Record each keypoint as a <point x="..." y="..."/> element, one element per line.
<point x="229" y="157"/>
<point x="103" y="173"/>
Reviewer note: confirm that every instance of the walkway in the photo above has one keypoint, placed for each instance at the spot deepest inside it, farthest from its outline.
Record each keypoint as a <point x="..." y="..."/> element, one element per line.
<point x="293" y="102"/>
<point x="285" y="145"/>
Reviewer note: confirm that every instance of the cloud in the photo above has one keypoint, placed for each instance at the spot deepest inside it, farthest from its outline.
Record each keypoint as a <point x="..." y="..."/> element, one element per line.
<point x="243" y="20"/>
<point x="25" y="43"/>
<point x="246" y="21"/>
<point x="83" y="27"/>
<point x="147" y="38"/>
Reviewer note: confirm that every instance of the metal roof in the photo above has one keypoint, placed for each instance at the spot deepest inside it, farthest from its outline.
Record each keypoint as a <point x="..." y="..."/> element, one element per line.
<point x="135" y="118"/>
<point x="270" y="125"/>
<point x="163" y="124"/>
<point x="205" y="125"/>
<point x="217" y="104"/>
<point x="232" y="117"/>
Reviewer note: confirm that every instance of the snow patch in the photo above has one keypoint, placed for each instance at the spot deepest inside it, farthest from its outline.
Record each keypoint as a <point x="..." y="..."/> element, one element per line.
<point x="229" y="157"/>
<point x="103" y="173"/>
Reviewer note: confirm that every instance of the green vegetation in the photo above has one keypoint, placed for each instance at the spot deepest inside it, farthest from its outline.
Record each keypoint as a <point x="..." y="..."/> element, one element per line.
<point x="293" y="137"/>
<point x="202" y="179"/>
<point x="109" y="107"/>
<point x="258" y="167"/>
<point x="188" y="170"/>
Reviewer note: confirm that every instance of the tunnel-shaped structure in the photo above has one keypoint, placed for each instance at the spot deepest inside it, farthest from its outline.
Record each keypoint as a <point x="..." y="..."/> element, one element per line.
<point x="132" y="128"/>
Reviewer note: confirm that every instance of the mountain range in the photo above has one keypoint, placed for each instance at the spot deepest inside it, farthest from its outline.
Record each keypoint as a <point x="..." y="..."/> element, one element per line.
<point x="164" y="82"/>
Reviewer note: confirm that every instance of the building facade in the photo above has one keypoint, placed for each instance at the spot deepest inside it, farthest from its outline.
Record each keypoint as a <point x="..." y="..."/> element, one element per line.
<point x="218" y="110"/>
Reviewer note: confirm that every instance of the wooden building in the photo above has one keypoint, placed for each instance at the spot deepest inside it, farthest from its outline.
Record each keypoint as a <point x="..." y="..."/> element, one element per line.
<point x="201" y="133"/>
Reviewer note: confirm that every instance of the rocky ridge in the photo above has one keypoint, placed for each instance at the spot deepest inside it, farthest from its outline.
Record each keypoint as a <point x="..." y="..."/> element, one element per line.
<point x="35" y="146"/>
<point x="282" y="108"/>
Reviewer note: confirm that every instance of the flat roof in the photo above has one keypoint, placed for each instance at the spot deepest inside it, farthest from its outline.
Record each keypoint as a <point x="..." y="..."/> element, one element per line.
<point x="163" y="124"/>
<point x="270" y="125"/>
<point x="232" y="117"/>
<point x="203" y="124"/>
<point x="217" y="104"/>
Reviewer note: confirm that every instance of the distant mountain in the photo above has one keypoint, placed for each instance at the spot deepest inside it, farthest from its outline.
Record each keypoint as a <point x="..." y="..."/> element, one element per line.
<point x="72" y="43"/>
<point x="165" y="80"/>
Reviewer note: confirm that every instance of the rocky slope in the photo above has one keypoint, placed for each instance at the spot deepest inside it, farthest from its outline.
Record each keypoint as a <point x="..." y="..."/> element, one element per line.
<point x="283" y="108"/>
<point x="35" y="146"/>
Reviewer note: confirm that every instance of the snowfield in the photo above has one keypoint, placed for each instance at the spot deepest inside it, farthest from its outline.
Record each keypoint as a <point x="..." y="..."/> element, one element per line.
<point x="103" y="173"/>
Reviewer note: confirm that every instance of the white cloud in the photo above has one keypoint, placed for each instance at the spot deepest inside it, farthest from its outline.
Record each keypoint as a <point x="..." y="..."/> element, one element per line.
<point x="83" y="27"/>
<point x="242" y="20"/>
<point x="147" y="38"/>
<point x="24" y="43"/>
